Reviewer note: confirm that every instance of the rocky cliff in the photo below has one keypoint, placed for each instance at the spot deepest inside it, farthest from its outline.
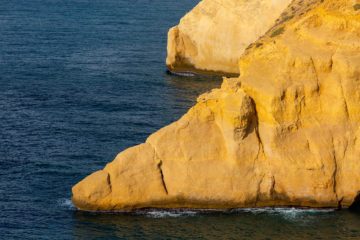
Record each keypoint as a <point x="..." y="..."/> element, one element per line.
<point x="285" y="133"/>
<point x="214" y="34"/>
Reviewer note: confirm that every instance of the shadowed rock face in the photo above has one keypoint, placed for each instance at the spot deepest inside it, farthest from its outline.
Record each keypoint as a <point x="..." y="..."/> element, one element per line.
<point x="285" y="133"/>
<point x="214" y="34"/>
<point x="355" y="206"/>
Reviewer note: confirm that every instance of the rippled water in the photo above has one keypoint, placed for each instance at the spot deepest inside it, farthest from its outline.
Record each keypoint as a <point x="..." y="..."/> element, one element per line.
<point x="80" y="81"/>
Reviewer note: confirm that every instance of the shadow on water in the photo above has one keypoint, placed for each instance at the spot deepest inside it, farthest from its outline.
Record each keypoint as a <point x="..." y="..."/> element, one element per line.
<point x="185" y="90"/>
<point x="279" y="224"/>
<point x="195" y="84"/>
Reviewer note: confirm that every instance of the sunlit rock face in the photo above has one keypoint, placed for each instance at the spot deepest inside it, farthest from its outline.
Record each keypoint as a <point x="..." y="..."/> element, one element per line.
<point x="285" y="133"/>
<point x="214" y="34"/>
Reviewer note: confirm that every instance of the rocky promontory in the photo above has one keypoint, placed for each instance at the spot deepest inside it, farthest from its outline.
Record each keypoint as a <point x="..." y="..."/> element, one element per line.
<point x="284" y="133"/>
<point x="212" y="37"/>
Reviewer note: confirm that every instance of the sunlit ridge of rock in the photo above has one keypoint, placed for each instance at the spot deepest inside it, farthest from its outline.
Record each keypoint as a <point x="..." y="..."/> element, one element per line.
<point x="285" y="133"/>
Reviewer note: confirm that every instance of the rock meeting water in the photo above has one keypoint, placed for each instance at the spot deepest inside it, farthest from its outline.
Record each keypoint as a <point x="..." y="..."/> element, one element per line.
<point x="81" y="81"/>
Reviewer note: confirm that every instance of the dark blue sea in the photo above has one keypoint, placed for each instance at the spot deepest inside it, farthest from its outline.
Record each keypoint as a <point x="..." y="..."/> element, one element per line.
<point x="81" y="80"/>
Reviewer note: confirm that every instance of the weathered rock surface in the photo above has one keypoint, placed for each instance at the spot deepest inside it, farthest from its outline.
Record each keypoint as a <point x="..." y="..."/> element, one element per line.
<point x="285" y="133"/>
<point x="214" y="34"/>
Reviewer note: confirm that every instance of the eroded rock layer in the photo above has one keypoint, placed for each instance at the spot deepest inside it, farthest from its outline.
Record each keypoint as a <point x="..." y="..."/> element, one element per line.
<point x="285" y="133"/>
<point x="214" y="34"/>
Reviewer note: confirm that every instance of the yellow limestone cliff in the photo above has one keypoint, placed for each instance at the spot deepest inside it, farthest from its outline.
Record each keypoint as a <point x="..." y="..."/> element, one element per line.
<point x="214" y="34"/>
<point x="285" y="133"/>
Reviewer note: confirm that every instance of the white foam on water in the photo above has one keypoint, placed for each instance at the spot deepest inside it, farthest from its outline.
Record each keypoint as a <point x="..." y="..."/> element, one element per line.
<point x="290" y="213"/>
<point x="66" y="203"/>
<point x="281" y="210"/>
<point x="169" y="214"/>
<point x="286" y="213"/>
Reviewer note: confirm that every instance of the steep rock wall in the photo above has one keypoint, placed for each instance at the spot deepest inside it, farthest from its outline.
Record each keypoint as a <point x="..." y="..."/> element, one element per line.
<point x="214" y="34"/>
<point x="285" y="133"/>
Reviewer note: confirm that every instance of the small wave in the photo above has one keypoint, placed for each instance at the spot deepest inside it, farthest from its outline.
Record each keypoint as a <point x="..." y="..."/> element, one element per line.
<point x="168" y="213"/>
<point x="289" y="213"/>
<point x="283" y="210"/>
<point x="286" y="213"/>
<point x="66" y="203"/>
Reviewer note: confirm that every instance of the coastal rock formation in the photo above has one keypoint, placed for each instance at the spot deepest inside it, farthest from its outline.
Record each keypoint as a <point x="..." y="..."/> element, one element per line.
<point x="285" y="133"/>
<point x="213" y="35"/>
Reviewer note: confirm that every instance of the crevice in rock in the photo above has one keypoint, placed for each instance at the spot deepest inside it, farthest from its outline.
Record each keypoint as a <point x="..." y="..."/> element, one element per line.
<point x="355" y="206"/>
<point x="272" y="188"/>
<point x="345" y="100"/>
<point x="162" y="177"/>
<point x="340" y="203"/>
<point x="334" y="175"/>
<point x="157" y="159"/>
<point x="257" y="132"/>
<point x="346" y="149"/>
<point x="258" y="190"/>
<point x="342" y="89"/>
<point x="316" y="75"/>
<point x="108" y="179"/>
<point x="265" y="196"/>
<point x="331" y="63"/>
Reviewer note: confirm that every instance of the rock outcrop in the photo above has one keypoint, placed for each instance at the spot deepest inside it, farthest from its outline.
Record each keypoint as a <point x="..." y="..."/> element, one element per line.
<point x="285" y="133"/>
<point x="214" y="34"/>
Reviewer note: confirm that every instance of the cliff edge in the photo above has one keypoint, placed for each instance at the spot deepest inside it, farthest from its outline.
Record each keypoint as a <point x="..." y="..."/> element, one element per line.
<point x="212" y="37"/>
<point x="285" y="133"/>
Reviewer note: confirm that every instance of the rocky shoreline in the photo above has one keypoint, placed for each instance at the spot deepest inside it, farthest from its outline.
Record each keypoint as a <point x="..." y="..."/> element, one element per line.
<point x="284" y="133"/>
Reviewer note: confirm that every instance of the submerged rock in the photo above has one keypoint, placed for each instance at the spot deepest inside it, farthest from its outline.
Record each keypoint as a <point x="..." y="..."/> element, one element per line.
<point x="285" y="133"/>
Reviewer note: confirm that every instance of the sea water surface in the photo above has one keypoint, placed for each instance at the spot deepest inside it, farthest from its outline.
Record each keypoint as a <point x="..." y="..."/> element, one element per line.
<point x="81" y="80"/>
